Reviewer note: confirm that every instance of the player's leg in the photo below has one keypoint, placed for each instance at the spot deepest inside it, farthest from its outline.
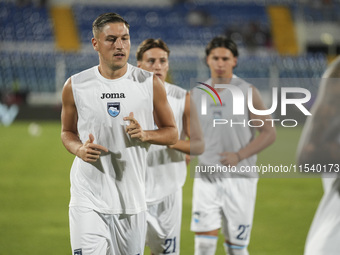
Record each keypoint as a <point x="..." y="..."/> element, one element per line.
<point x="205" y="242"/>
<point x="128" y="233"/>
<point x="206" y="215"/>
<point x="231" y="249"/>
<point x="89" y="233"/>
<point x="238" y="213"/>
<point x="164" y="225"/>
<point x="93" y="233"/>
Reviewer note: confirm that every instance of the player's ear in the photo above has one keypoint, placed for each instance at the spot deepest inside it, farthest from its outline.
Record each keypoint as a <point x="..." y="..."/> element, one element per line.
<point x="235" y="62"/>
<point x="139" y="64"/>
<point x="94" y="43"/>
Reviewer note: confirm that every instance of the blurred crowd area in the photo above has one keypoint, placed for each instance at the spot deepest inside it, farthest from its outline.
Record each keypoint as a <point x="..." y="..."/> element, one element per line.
<point x="31" y="62"/>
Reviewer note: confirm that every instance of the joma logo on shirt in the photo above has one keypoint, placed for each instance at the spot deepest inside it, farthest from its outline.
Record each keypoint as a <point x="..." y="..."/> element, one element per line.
<point x="112" y="95"/>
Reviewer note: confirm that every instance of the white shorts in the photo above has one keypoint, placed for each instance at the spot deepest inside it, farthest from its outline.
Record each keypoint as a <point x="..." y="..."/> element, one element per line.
<point x="164" y="225"/>
<point x="224" y="202"/>
<point x="94" y="233"/>
<point x="324" y="233"/>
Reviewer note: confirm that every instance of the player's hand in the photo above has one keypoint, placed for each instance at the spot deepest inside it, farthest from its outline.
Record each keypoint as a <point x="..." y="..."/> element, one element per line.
<point x="134" y="129"/>
<point x="229" y="158"/>
<point x="90" y="152"/>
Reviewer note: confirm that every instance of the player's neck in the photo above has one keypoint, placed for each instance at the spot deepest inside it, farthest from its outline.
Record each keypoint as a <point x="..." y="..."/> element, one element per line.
<point x="110" y="73"/>
<point x="220" y="80"/>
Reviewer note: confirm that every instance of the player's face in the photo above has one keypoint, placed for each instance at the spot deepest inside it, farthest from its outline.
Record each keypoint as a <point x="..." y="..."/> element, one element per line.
<point x="221" y="62"/>
<point x="155" y="60"/>
<point x="113" y="45"/>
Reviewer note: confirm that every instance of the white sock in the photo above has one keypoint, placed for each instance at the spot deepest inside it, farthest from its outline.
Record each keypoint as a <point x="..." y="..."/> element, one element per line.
<point x="231" y="249"/>
<point x="205" y="245"/>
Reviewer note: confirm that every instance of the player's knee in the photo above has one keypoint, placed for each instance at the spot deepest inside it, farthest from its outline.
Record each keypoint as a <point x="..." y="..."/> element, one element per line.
<point x="232" y="249"/>
<point x="205" y="245"/>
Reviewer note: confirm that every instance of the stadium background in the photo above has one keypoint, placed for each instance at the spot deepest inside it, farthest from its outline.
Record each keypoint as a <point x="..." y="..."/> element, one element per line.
<point x="44" y="42"/>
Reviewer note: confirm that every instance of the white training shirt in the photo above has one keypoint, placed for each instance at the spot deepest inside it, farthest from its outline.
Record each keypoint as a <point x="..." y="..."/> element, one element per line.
<point x="224" y="137"/>
<point x="166" y="171"/>
<point x="115" y="184"/>
<point x="323" y="236"/>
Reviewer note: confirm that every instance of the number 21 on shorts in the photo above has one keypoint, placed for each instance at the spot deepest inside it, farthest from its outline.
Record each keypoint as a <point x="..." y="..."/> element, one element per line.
<point x="170" y="246"/>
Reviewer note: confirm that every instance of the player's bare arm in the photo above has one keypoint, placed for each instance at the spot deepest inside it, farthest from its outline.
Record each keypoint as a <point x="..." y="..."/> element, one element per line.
<point x="89" y="152"/>
<point x="167" y="133"/>
<point x="267" y="132"/>
<point x="266" y="136"/>
<point x="320" y="138"/>
<point x="192" y="130"/>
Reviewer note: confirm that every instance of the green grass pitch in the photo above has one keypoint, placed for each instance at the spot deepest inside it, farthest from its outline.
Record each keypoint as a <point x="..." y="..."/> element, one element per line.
<point x="34" y="196"/>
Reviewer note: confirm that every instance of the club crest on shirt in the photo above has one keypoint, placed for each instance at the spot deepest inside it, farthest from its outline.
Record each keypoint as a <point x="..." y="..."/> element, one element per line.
<point x="77" y="252"/>
<point x="113" y="109"/>
<point x="196" y="216"/>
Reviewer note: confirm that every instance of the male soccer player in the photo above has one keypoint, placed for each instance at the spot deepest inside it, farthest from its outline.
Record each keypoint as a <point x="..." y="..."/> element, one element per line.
<point x="319" y="148"/>
<point x="166" y="171"/>
<point x="108" y="115"/>
<point x="225" y="199"/>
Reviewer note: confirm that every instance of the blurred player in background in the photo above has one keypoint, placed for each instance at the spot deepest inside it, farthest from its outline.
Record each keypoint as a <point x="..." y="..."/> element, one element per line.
<point x="167" y="170"/>
<point x="227" y="200"/>
<point x="319" y="147"/>
<point x="107" y="207"/>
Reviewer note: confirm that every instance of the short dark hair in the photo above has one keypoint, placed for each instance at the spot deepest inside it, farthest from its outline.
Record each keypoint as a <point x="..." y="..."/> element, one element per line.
<point x="150" y="44"/>
<point x="106" y="18"/>
<point x="221" y="42"/>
